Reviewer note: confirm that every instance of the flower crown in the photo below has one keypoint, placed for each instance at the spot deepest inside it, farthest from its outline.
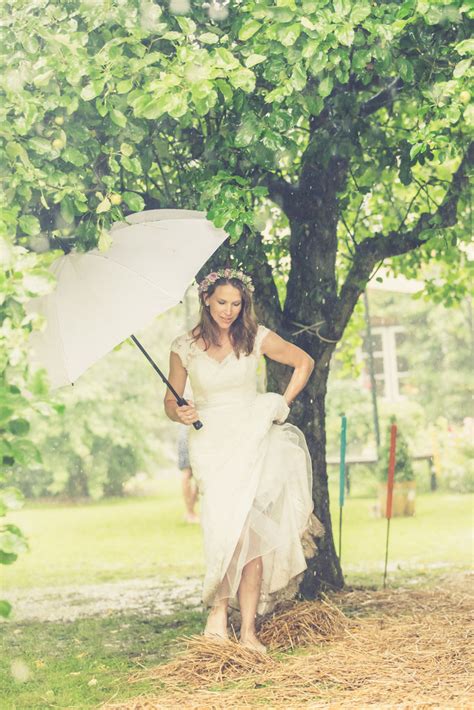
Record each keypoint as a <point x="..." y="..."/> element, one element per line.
<point x="226" y="273"/>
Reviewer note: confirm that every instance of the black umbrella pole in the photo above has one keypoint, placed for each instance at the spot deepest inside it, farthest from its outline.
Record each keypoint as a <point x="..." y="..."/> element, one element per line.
<point x="180" y="400"/>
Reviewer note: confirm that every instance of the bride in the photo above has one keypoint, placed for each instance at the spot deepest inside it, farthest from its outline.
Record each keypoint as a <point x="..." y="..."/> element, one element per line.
<point x="253" y="470"/>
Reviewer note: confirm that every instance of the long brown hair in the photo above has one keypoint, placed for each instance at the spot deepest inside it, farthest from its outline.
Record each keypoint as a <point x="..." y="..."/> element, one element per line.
<point x="243" y="330"/>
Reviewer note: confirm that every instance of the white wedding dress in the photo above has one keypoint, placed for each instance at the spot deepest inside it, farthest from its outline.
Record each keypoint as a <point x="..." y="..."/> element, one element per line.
<point x="254" y="476"/>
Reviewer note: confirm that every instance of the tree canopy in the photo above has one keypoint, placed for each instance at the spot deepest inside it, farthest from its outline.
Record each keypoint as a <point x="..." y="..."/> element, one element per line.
<point x="344" y="126"/>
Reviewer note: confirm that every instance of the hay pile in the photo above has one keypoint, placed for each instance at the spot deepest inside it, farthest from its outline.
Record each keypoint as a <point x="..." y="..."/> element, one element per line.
<point x="297" y="625"/>
<point x="401" y="649"/>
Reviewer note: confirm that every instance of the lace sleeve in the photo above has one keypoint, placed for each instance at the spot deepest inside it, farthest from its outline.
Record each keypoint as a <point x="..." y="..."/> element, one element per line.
<point x="261" y="333"/>
<point x="180" y="346"/>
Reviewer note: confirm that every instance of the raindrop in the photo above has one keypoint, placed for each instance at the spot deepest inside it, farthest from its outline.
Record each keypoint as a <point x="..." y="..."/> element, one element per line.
<point x="217" y="10"/>
<point x="20" y="670"/>
<point x="14" y="80"/>
<point x="180" y="7"/>
<point x="149" y="15"/>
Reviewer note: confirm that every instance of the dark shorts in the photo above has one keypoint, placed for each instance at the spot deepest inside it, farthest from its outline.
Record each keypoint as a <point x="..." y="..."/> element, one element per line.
<point x="183" y="454"/>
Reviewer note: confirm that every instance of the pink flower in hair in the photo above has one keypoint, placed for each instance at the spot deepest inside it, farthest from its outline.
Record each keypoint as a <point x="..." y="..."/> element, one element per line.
<point x="212" y="277"/>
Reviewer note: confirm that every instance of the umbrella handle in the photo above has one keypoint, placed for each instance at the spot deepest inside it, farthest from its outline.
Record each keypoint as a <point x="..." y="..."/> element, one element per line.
<point x="181" y="402"/>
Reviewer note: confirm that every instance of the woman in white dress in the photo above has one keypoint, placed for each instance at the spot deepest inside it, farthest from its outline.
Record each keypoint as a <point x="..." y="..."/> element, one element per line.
<point x="253" y="471"/>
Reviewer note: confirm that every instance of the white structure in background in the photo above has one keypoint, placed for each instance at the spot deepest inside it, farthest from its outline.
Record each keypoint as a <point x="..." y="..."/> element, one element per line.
<point x="390" y="368"/>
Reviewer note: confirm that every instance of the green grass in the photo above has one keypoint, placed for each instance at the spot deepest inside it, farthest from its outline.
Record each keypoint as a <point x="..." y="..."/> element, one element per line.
<point x="123" y="539"/>
<point x="137" y="538"/>
<point x="62" y="659"/>
<point x="106" y="541"/>
<point x="438" y="535"/>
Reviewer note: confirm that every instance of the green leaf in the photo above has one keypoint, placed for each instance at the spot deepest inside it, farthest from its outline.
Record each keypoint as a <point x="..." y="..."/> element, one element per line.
<point x="15" y="150"/>
<point x="461" y="68"/>
<point x="156" y="107"/>
<point x="342" y="7"/>
<point x="243" y="79"/>
<point x="135" y="202"/>
<point x="416" y="149"/>
<point x="5" y="608"/>
<point x="406" y="69"/>
<point x="359" y="12"/>
<point x="248" y="30"/>
<point x="67" y="210"/>
<point x="318" y="62"/>
<point x="248" y="131"/>
<point x="345" y="34"/>
<point x="468" y="115"/>
<point x="298" y="77"/>
<point x="225" y="90"/>
<point x="29" y="224"/>
<point x="89" y="92"/>
<point x="288" y="34"/>
<point x="209" y="38"/>
<point x="105" y="240"/>
<point x="126" y="149"/>
<point x="118" y="117"/>
<point x="5" y="414"/>
<point x="465" y="47"/>
<point x="325" y="87"/>
<point x="103" y="206"/>
<point x="7" y="558"/>
<point x="124" y="86"/>
<point x="19" y="427"/>
<point x="225" y="59"/>
<point x="102" y="107"/>
<point x="74" y="156"/>
<point x="25" y="452"/>
<point x="187" y="25"/>
<point x="133" y="165"/>
<point x="254" y="59"/>
<point x="12" y="498"/>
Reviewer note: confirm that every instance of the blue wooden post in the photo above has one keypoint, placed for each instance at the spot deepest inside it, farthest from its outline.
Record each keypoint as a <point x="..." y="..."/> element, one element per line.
<point x="342" y="476"/>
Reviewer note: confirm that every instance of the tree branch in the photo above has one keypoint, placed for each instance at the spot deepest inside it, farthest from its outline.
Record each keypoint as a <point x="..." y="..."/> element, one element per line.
<point x="375" y="249"/>
<point x="384" y="97"/>
<point x="280" y="191"/>
<point x="267" y="303"/>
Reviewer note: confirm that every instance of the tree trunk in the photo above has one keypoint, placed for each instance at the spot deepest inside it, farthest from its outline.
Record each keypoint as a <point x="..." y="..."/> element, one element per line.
<point x="77" y="485"/>
<point x="309" y="414"/>
<point x="307" y="320"/>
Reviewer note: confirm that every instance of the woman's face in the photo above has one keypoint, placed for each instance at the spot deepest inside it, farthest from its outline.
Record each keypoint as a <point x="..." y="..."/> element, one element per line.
<point x="225" y="305"/>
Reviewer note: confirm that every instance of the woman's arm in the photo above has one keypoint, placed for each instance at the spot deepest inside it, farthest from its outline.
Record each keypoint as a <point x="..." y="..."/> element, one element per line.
<point x="279" y="349"/>
<point x="177" y="378"/>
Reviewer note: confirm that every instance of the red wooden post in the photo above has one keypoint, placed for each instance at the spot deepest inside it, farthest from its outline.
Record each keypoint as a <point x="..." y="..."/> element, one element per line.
<point x="391" y="471"/>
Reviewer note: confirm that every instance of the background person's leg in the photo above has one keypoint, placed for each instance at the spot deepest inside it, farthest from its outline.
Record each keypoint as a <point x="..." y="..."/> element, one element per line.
<point x="190" y="494"/>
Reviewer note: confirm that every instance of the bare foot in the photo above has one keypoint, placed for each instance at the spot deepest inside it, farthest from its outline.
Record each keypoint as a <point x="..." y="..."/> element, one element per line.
<point x="191" y="518"/>
<point x="252" y="642"/>
<point x="216" y="625"/>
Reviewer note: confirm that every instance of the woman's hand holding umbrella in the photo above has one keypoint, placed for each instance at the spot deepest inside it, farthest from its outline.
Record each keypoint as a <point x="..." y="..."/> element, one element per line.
<point x="187" y="413"/>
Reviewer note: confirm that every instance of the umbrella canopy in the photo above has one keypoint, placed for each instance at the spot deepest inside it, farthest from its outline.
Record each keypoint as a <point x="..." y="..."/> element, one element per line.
<point x="101" y="298"/>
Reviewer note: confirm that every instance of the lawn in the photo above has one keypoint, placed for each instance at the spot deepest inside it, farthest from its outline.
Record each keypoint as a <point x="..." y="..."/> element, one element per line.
<point x="136" y="538"/>
<point x="85" y="662"/>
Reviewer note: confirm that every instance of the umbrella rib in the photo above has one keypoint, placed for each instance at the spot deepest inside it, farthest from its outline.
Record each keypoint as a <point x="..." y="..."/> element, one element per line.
<point x="135" y="273"/>
<point x="58" y="324"/>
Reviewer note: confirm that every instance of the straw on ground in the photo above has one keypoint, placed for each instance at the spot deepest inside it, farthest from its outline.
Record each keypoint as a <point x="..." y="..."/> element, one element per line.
<point x="403" y="648"/>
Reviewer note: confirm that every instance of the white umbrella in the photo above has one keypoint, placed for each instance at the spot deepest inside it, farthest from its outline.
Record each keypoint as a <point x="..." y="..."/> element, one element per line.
<point x="102" y="297"/>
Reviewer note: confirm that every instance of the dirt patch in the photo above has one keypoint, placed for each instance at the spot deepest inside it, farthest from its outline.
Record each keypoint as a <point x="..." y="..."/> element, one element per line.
<point x="153" y="596"/>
